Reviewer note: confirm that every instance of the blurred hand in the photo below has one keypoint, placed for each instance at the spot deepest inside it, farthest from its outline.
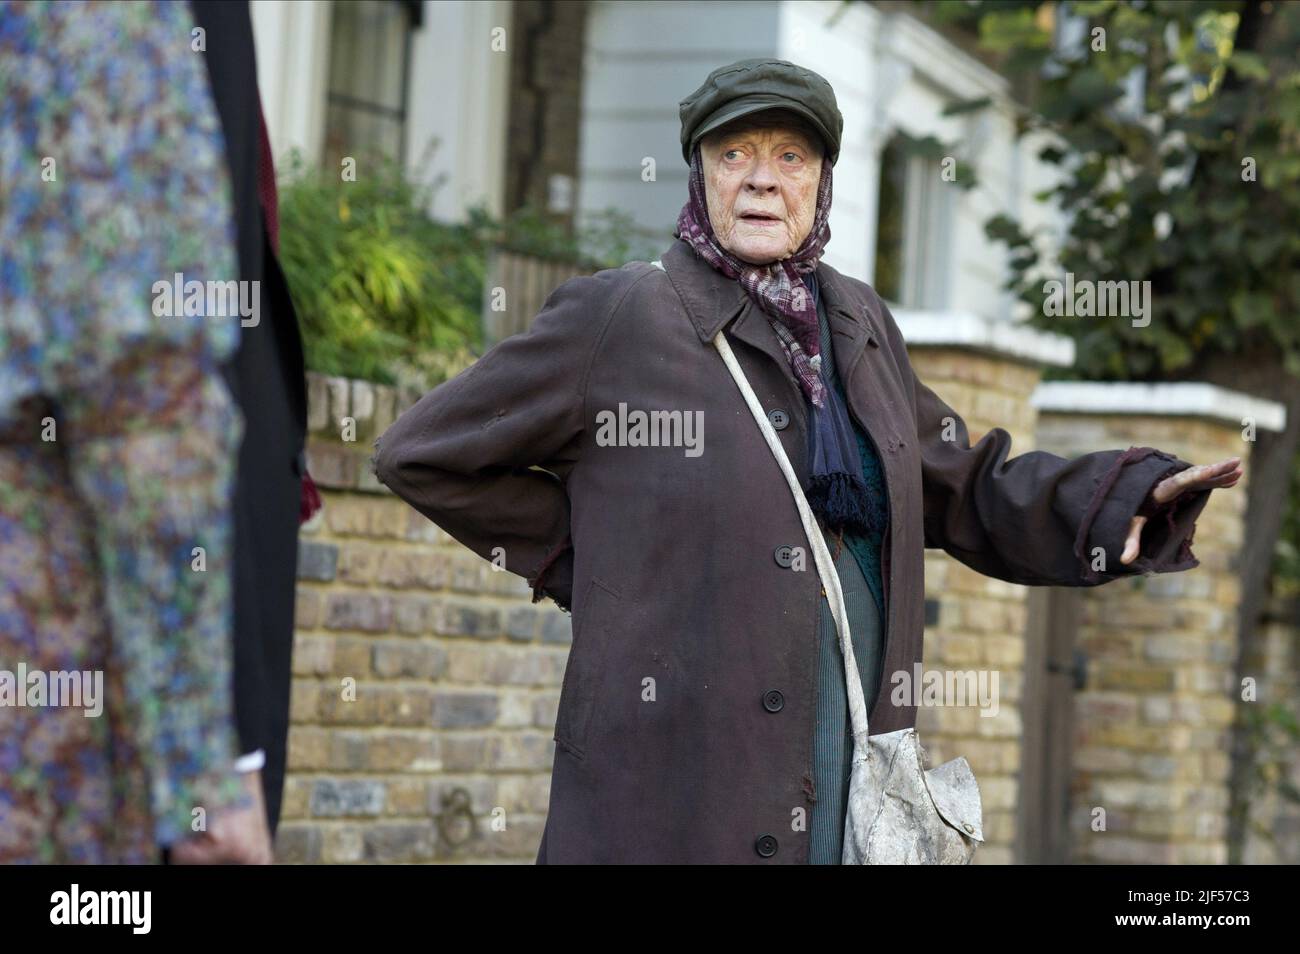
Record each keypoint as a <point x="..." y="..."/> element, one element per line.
<point x="1225" y="473"/>
<point x="239" y="836"/>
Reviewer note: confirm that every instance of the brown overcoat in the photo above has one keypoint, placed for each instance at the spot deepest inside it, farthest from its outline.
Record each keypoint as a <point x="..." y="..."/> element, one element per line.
<point x="685" y="723"/>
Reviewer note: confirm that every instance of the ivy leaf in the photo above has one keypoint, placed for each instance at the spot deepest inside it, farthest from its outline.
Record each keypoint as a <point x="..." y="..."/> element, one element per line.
<point x="1249" y="65"/>
<point x="1251" y="309"/>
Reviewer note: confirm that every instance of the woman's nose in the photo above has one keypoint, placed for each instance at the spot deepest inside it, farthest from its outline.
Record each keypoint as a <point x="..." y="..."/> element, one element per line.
<point x="762" y="177"/>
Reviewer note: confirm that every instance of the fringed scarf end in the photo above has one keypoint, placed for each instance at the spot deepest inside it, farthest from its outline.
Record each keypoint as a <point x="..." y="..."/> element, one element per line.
<point x="843" y="502"/>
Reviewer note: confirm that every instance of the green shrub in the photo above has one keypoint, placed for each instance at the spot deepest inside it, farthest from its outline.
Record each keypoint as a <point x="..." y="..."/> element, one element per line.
<point x="386" y="293"/>
<point x="383" y="291"/>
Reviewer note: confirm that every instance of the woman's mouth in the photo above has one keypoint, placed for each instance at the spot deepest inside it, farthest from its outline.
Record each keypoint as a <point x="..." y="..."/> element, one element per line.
<point x="760" y="219"/>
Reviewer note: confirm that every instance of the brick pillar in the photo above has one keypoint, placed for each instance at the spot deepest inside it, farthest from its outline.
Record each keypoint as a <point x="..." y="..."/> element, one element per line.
<point x="976" y="623"/>
<point x="425" y="683"/>
<point x="1152" y="726"/>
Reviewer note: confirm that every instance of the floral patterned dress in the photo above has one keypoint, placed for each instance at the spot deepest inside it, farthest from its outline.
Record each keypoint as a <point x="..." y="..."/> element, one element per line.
<point x="117" y="434"/>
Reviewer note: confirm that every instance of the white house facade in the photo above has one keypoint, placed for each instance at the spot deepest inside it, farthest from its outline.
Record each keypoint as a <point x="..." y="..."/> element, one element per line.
<point x="893" y="75"/>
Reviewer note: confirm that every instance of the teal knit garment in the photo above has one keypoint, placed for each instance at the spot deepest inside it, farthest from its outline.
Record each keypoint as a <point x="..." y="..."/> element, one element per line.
<point x="861" y="581"/>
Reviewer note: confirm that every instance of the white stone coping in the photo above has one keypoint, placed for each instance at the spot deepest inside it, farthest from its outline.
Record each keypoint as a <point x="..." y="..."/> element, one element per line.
<point x="963" y="329"/>
<point x="1176" y="398"/>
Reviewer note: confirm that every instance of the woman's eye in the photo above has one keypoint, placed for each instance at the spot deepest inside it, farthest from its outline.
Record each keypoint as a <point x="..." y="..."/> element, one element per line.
<point x="731" y="154"/>
<point x="791" y="157"/>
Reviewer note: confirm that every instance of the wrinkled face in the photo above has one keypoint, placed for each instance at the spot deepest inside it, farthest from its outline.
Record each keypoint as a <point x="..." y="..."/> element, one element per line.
<point x="760" y="181"/>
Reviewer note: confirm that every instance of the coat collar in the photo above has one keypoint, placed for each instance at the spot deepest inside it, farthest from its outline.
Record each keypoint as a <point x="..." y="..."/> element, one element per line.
<point x="712" y="300"/>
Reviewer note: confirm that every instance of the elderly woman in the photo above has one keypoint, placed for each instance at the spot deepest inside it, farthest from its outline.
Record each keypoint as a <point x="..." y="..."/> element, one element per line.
<point x="703" y="712"/>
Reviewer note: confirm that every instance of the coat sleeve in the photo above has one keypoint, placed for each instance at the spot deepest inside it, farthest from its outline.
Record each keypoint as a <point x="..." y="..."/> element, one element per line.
<point x="1037" y="518"/>
<point x="484" y="455"/>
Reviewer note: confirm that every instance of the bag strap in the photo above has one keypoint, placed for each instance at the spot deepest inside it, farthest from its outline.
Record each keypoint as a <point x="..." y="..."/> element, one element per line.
<point x="821" y="554"/>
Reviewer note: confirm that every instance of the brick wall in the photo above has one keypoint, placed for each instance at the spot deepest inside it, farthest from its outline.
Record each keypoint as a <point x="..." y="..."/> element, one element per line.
<point x="1151" y="729"/>
<point x="425" y="683"/>
<point x="1152" y="737"/>
<point x="981" y="621"/>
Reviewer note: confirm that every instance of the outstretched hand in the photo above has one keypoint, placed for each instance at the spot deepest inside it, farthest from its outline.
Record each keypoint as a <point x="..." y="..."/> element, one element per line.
<point x="1225" y="473"/>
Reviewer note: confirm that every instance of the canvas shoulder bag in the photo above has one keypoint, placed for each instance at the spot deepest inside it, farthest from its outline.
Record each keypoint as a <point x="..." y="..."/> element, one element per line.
<point x="898" y="811"/>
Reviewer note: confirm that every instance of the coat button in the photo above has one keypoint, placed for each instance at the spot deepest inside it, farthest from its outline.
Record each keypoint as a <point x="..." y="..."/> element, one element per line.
<point x="765" y="845"/>
<point x="778" y="418"/>
<point x="784" y="556"/>
<point x="773" y="700"/>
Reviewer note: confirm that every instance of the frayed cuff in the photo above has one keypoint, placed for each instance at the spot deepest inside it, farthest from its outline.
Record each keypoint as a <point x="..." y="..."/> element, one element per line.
<point x="1123" y="492"/>
<point x="560" y="585"/>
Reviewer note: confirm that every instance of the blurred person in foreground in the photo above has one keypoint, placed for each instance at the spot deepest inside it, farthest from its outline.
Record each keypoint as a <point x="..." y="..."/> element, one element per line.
<point x="118" y="446"/>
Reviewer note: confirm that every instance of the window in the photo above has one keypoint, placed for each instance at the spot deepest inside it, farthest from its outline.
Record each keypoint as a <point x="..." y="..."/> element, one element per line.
<point x="369" y="65"/>
<point x="912" y="226"/>
<point x="889" y="224"/>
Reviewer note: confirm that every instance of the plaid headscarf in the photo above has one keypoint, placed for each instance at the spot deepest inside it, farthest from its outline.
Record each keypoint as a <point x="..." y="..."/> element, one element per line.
<point x="836" y="489"/>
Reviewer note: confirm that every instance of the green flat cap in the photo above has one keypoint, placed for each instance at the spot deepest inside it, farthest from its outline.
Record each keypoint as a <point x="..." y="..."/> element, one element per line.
<point x="751" y="86"/>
